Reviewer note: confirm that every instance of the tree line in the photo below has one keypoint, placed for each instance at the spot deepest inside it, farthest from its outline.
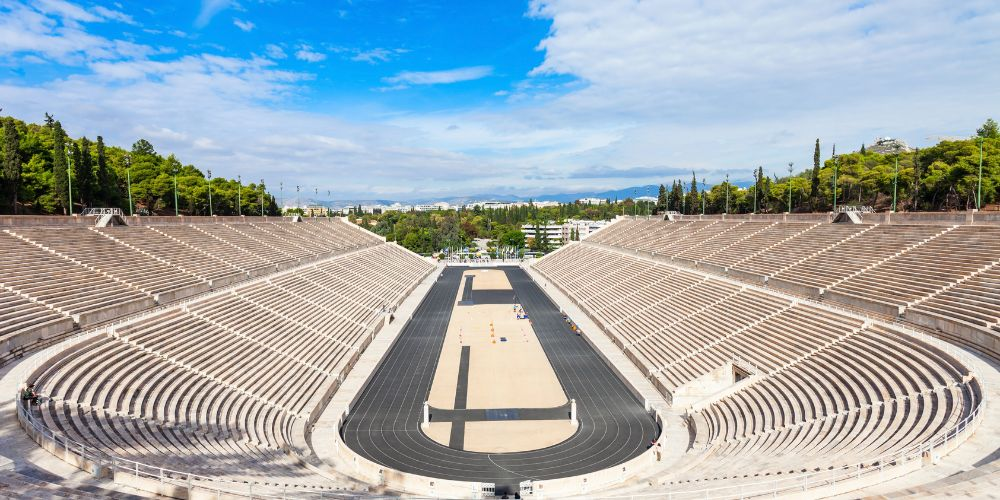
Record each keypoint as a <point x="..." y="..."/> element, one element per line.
<point x="429" y="232"/>
<point x="43" y="167"/>
<point x="942" y="177"/>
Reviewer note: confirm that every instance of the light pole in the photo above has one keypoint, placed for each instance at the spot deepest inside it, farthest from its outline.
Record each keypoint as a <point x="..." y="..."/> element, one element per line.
<point x="979" y="194"/>
<point x="128" y="180"/>
<point x="895" y="180"/>
<point x="69" y="180"/>
<point x="262" y="197"/>
<point x="790" y="186"/>
<point x="177" y="211"/>
<point x="209" y="181"/>
<point x="239" y="196"/>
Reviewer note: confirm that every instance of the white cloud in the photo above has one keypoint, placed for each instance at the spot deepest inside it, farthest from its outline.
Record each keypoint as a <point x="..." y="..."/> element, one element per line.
<point x="113" y="15"/>
<point x="627" y="93"/>
<point x="373" y="56"/>
<point x="209" y="8"/>
<point x="274" y="51"/>
<point x="67" y="11"/>
<point x="306" y="53"/>
<point x="246" y="26"/>
<point x="439" y="77"/>
<point x="53" y="30"/>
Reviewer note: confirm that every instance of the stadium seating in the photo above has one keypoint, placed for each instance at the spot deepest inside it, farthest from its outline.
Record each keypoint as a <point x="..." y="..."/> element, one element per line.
<point x="882" y="269"/>
<point x="62" y="278"/>
<point x="173" y="390"/>
<point x="829" y="389"/>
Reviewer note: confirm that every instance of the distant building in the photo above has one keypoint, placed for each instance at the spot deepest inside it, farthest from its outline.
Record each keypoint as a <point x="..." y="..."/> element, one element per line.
<point x="558" y="234"/>
<point x="440" y="205"/>
<point x="315" y="211"/>
<point x="583" y="228"/>
<point x="552" y="232"/>
<point x="542" y="204"/>
<point x="887" y="146"/>
<point x="591" y="201"/>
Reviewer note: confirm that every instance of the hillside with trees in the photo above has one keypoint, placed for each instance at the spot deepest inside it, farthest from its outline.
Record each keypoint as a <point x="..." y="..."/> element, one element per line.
<point x="42" y="165"/>
<point x="942" y="177"/>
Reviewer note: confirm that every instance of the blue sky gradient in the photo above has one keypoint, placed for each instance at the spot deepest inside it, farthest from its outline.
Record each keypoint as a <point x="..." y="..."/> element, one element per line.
<point x="415" y="99"/>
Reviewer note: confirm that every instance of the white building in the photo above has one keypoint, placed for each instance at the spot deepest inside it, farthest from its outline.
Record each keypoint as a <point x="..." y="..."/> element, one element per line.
<point x="552" y="231"/>
<point x="439" y="205"/>
<point x="583" y="228"/>
<point x="591" y="201"/>
<point x="558" y="234"/>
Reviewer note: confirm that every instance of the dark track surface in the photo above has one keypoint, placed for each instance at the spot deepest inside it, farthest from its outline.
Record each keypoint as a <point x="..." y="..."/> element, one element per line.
<point x="384" y="424"/>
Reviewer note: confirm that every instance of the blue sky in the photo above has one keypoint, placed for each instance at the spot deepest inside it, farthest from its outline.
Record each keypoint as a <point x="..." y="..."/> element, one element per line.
<point x="417" y="99"/>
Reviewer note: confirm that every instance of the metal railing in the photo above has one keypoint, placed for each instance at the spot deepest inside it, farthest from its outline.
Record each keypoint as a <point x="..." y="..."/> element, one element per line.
<point x="102" y="211"/>
<point x="102" y="463"/>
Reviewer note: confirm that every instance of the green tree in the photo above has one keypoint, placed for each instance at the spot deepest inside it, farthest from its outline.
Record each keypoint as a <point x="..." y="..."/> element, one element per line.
<point x="11" y="162"/>
<point x="74" y="175"/>
<point x="107" y="183"/>
<point x="513" y="238"/>
<point x="83" y="173"/>
<point x="676" y="196"/>
<point x="661" y="199"/>
<point x="814" y="187"/>
<point x="989" y="130"/>
<point x="693" y="198"/>
<point x="60" y="173"/>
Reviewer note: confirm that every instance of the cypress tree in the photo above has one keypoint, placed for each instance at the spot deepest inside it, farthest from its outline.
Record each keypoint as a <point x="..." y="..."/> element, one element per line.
<point x="694" y="192"/>
<point x="107" y="185"/>
<point x="916" y="179"/>
<point x="60" y="179"/>
<point x="761" y="200"/>
<point x="83" y="171"/>
<point x="661" y="199"/>
<point x="75" y="160"/>
<point x="676" y="196"/>
<point x="814" y="190"/>
<point x="11" y="162"/>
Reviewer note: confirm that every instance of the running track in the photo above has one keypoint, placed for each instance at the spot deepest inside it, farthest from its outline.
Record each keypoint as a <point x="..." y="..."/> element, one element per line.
<point x="384" y="424"/>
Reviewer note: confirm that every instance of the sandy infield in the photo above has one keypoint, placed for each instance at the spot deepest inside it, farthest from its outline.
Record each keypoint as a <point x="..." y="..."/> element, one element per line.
<point x="502" y="374"/>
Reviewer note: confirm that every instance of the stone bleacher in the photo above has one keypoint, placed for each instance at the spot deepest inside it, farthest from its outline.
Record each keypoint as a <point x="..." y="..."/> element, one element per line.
<point x="934" y="275"/>
<point x="225" y="385"/>
<point x="54" y="280"/>
<point x="829" y="390"/>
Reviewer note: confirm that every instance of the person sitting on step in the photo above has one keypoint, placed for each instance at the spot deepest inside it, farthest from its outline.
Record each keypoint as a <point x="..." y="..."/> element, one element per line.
<point x="29" y="394"/>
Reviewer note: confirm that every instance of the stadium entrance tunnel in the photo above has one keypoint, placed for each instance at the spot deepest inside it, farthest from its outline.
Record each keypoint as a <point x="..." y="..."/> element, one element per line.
<point x="447" y="359"/>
